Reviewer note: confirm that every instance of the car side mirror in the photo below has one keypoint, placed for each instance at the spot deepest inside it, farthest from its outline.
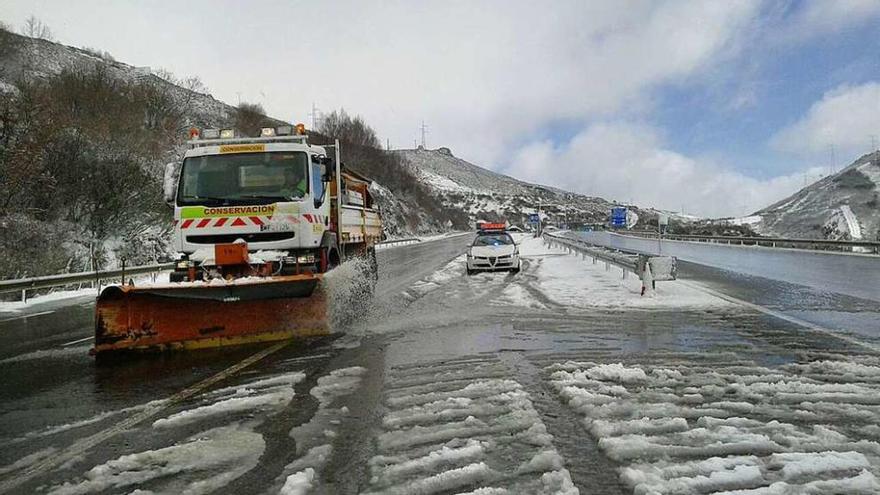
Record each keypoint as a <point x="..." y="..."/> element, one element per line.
<point x="169" y="182"/>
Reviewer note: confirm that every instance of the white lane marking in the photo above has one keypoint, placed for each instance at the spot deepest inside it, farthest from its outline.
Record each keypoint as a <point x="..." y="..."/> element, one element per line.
<point x="24" y="317"/>
<point x="81" y="446"/>
<point x="782" y="316"/>
<point x="90" y="337"/>
<point x="38" y="314"/>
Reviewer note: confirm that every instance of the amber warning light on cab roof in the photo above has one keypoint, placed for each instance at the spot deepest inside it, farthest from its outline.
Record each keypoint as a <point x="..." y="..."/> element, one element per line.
<point x="283" y="130"/>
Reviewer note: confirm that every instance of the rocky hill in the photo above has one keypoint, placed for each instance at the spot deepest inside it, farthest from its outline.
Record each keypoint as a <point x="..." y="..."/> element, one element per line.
<point x="482" y="194"/>
<point x="26" y="59"/>
<point x="845" y="205"/>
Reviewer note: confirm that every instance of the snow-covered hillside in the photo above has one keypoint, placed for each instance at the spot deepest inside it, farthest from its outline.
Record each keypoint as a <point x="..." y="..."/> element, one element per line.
<point x="38" y="58"/>
<point x="845" y="205"/>
<point x="483" y="194"/>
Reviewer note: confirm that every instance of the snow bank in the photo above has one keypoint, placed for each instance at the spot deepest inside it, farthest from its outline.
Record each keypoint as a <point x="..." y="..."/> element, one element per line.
<point x="577" y="282"/>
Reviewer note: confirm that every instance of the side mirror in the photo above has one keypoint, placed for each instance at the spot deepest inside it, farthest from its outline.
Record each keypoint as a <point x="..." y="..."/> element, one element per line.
<point x="169" y="182"/>
<point x="325" y="163"/>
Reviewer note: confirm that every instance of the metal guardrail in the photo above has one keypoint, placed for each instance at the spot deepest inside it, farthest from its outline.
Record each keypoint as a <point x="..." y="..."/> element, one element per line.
<point x="25" y="284"/>
<point x="398" y="242"/>
<point x="814" y="244"/>
<point x="662" y="267"/>
<point x="625" y="261"/>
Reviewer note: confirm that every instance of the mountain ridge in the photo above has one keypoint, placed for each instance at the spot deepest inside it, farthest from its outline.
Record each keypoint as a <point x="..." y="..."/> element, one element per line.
<point x="843" y="206"/>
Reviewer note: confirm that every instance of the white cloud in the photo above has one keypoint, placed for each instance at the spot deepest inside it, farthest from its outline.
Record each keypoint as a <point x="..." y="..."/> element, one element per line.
<point x="845" y="117"/>
<point x="822" y="17"/>
<point x="627" y="161"/>
<point x="485" y="76"/>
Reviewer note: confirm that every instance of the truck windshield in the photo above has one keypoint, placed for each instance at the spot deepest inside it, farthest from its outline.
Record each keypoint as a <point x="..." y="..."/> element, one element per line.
<point x="244" y="178"/>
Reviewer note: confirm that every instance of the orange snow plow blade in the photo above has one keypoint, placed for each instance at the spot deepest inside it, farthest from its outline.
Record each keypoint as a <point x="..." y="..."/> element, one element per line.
<point x="202" y="315"/>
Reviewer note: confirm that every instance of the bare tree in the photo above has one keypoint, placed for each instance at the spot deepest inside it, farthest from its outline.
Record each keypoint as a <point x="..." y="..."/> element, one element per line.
<point x="250" y="117"/>
<point x="192" y="83"/>
<point x="36" y="28"/>
<point x="352" y="130"/>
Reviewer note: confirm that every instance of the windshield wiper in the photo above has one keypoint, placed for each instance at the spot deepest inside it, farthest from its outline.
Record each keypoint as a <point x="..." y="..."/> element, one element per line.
<point x="206" y="198"/>
<point x="254" y="196"/>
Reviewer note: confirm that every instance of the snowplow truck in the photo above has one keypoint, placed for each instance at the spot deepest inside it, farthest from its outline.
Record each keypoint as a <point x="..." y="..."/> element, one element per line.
<point x="258" y="223"/>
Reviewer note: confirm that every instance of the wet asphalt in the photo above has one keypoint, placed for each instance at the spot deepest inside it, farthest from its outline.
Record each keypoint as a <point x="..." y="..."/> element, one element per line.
<point x="49" y="380"/>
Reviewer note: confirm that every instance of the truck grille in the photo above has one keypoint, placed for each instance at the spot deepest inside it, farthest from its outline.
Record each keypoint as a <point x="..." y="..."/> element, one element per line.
<point x="249" y="238"/>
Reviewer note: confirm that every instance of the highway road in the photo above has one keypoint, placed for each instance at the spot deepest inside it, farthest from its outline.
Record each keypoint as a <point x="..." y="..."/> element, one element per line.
<point x="557" y="380"/>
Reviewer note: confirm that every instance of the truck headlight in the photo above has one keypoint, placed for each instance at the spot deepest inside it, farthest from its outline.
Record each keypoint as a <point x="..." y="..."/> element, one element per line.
<point x="305" y="259"/>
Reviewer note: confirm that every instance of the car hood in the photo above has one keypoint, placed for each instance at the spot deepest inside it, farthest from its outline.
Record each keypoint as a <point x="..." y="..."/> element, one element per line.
<point x="492" y="250"/>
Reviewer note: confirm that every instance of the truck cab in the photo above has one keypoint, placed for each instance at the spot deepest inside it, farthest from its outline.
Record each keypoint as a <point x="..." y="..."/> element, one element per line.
<point x="275" y="194"/>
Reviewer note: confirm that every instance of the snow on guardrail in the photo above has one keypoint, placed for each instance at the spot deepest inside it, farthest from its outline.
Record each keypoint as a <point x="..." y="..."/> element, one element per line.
<point x="50" y="281"/>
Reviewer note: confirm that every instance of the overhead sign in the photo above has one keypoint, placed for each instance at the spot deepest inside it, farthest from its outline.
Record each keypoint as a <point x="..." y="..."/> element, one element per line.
<point x="618" y="216"/>
<point x="534" y="218"/>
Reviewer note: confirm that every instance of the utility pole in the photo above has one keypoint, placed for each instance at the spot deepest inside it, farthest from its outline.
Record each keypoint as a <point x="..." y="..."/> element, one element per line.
<point x="832" y="166"/>
<point x="238" y="93"/>
<point x="873" y="143"/>
<point x="424" y="130"/>
<point x="388" y="144"/>
<point x="315" y="115"/>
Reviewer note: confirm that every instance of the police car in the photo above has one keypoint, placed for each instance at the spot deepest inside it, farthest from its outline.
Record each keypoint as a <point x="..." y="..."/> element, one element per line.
<point x="493" y="250"/>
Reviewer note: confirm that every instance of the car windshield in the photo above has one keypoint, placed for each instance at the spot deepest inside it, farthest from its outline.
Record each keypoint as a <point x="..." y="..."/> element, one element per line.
<point x="493" y="240"/>
<point x="244" y="178"/>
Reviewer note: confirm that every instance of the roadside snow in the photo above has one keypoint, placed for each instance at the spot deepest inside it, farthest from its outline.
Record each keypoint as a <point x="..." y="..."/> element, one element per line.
<point x="70" y="295"/>
<point x="575" y="281"/>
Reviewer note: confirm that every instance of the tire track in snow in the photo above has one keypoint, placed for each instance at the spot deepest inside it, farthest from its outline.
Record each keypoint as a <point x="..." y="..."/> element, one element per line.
<point x="80" y="447"/>
<point x="689" y="428"/>
<point x="469" y="429"/>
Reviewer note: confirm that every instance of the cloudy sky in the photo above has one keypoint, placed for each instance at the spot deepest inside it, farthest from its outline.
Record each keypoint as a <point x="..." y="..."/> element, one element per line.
<point x="718" y="107"/>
